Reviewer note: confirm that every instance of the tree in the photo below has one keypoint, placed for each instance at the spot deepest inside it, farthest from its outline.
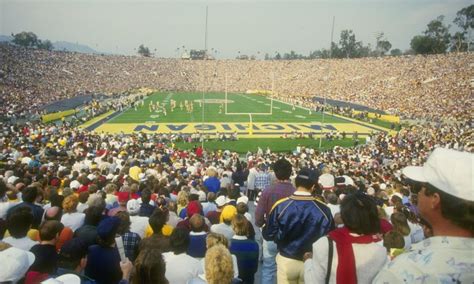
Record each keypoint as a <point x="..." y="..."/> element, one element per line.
<point x="465" y="21"/>
<point x="25" y="39"/>
<point x="395" y="52"/>
<point x="382" y="45"/>
<point x="465" y="18"/>
<point x="348" y="43"/>
<point x="144" y="51"/>
<point x="436" y="38"/>
<point x="46" y="45"/>
<point x="277" y="56"/>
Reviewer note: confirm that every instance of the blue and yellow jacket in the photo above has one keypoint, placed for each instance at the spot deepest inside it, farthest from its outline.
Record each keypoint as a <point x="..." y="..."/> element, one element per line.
<point x="296" y="222"/>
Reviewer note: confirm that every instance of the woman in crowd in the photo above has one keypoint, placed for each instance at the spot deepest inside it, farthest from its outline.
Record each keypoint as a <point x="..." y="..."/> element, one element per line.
<point x="71" y="218"/>
<point x="356" y="256"/>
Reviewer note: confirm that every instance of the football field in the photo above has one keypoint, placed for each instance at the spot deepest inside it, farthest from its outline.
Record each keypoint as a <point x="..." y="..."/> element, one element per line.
<point x="247" y="115"/>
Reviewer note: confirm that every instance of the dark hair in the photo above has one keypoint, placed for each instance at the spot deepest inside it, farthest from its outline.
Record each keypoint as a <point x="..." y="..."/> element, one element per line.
<point x="83" y="196"/>
<point x="56" y="200"/>
<point x="359" y="214"/>
<point x="3" y="188"/>
<point x="306" y="183"/>
<point x="157" y="220"/>
<point x="179" y="240"/>
<point x="393" y="239"/>
<point x="146" y="196"/>
<point x="93" y="215"/>
<point x="282" y="169"/>
<point x="20" y="221"/>
<point x="50" y="229"/>
<point x="29" y="194"/>
<point x="150" y="267"/>
<point x="459" y="211"/>
<point x="124" y="222"/>
<point x="71" y="253"/>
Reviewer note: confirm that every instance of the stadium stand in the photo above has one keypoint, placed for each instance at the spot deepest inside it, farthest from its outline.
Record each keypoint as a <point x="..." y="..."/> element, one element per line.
<point x="124" y="175"/>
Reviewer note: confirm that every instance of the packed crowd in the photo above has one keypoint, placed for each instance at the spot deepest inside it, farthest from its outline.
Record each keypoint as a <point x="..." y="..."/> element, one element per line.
<point x="81" y="207"/>
<point x="433" y="87"/>
<point x="184" y="216"/>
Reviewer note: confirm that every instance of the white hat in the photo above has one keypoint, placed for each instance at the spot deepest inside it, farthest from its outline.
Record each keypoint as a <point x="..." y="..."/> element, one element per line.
<point x="12" y="179"/>
<point x="91" y="177"/>
<point x="17" y="265"/>
<point x="133" y="206"/>
<point x="110" y="177"/>
<point x="74" y="184"/>
<point x="221" y="200"/>
<point x="243" y="199"/>
<point x="326" y="180"/>
<point x="65" y="278"/>
<point x="447" y="170"/>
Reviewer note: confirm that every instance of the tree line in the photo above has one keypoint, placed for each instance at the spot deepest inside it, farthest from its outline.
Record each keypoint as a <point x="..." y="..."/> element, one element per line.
<point x="434" y="40"/>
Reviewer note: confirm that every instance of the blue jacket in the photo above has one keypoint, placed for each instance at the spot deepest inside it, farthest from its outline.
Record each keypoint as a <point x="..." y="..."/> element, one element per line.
<point x="296" y="222"/>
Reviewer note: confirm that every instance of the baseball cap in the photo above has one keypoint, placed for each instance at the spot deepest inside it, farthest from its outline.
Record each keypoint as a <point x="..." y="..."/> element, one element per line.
<point x="448" y="170"/>
<point x="74" y="249"/>
<point x="133" y="206"/>
<point x="221" y="201"/>
<point x="307" y="174"/>
<point x="243" y="199"/>
<point x="17" y="265"/>
<point x="108" y="227"/>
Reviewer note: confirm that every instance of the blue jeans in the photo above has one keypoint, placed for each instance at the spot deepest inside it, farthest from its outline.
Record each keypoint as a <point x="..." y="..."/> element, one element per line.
<point x="269" y="267"/>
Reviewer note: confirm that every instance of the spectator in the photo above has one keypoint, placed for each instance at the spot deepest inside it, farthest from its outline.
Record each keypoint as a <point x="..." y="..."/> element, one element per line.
<point x="131" y="241"/>
<point x="71" y="218"/>
<point x="294" y="224"/>
<point x="29" y="196"/>
<point x="444" y="200"/>
<point x="225" y="228"/>
<point x="19" y="223"/>
<point x="246" y="250"/>
<point x="197" y="237"/>
<point x="103" y="260"/>
<point x="357" y="257"/>
<point x="180" y="267"/>
<point x="150" y="267"/>
<point x="281" y="189"/>
<point x="46" y="258"/>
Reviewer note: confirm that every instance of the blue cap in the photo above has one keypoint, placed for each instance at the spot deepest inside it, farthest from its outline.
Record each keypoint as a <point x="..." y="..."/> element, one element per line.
<point x="108" y="227"/>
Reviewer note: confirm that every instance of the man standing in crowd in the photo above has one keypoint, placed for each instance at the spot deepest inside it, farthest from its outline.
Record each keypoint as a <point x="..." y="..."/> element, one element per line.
<point x="446" y="201"/>
<point x="281" y="189"/>
<point x="294" y="224"/>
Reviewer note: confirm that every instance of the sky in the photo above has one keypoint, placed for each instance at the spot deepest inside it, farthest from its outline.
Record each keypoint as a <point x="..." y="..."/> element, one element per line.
<point x="249" y="27"/>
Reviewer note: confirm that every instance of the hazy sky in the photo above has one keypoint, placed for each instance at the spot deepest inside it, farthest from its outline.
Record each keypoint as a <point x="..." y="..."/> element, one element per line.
<point x="245" y="26"/>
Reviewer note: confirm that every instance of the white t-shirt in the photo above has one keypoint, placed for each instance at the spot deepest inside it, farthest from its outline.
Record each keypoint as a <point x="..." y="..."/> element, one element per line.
<point x="138" y="225"/>
<point x="369" y="259"/>
<point x="24" y="243"/>
<point x="180" y="268"/>
<point x="73" y="220"/>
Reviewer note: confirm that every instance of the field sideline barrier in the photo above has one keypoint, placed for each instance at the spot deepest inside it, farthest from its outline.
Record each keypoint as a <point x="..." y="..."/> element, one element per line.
<point x="57" y="115"/>
<point x="384" y="117"/>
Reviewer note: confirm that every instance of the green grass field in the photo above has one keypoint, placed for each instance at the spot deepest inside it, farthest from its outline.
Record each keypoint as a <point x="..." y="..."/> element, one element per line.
<point x="255" y="130"/>
<point x="238" y="103"/>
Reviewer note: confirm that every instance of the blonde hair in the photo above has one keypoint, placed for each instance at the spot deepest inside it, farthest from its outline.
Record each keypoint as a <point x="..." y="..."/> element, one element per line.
<point x="182" y="198"/>
<point x="216" y="239"/>
<point x="218" y="265"/>
<point x="211" y="173"/>
<point x="70" y="203"/>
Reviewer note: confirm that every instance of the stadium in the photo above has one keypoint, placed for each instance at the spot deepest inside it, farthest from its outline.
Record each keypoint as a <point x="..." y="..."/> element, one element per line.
<point x="349" y="165"/>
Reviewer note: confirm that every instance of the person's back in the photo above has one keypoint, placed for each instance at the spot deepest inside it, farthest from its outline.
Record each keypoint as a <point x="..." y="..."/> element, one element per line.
<point x="180" y="267"/>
